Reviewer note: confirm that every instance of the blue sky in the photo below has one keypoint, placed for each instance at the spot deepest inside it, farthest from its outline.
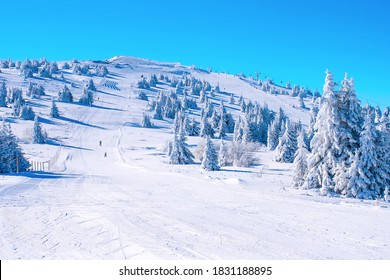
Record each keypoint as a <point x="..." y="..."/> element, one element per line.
<point x="283" y="40"/>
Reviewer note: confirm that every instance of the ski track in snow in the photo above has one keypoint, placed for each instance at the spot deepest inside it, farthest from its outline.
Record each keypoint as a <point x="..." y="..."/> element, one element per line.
<point x="132" y="205"/>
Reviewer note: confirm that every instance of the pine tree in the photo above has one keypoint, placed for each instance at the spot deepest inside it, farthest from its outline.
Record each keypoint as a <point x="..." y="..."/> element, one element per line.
<point x="287" y="145"/>
<point x="3" y="94"/>
<point x="223" y="155"/>
<point x="87" y="97"/>
<point x="232" y="100"/>
<point x="322" y="143"/>
<point x="26" y="113"/>
<point x="206" y="129"/>
<point x="273" y="135"/>
<point x="65" y="95"/>
<point x="146" y="121"/>
<point x="11" y="156"/>
<point x="300" y="163"/>
<point x="54" y="113"/>
<point x="90" y="85"/>
<point x="158" y="111"/>
<point x="38" y="137"/>
<point x="179" y="153"/>
<point x="210" y="157"/>
<point x="193" y="129"/>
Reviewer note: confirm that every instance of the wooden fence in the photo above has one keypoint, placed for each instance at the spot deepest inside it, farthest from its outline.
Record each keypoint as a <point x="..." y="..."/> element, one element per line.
<point x="45" y="165"/>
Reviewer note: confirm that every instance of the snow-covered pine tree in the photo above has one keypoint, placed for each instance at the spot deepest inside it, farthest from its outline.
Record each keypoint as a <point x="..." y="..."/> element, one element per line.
<point x="38" y="136"/>
<point x="217" y="89"/>
<point x="87" y="97"/>
<point x="242" y="154"/>
<point x="223" y="155"/>
<point x="11" y="156"/>
<point x="179" y="153"/>
<point x="142" y="95"/>
<point x="146" y="121"/>
<point x="210" y="156"/>
<point x="158" y="110"/>
<point x="238" y="133"/>
<point x="65" y="95"/>
<point x="287" y="145"/>
<point x="300" y="162"/>
<point x="273" y="135"/>
<point x="90" y="85"/>
<point x="54" y="112"/>
<point x="206" y="129"/>
<point x="321" y="145"/>
<point x="232" y="100"/>
<point x="3" y="94"/>
<point x="193" y="129"/>
<point x="26" y="113"/>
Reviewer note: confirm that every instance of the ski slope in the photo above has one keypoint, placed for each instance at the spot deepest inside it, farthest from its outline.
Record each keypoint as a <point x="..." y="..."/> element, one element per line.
<point x="132" y="204"/>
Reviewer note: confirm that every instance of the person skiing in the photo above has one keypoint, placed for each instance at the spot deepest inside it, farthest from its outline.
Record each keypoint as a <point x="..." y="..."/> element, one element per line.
<point x="100" y="143"/>
<point x="105" y="154"/>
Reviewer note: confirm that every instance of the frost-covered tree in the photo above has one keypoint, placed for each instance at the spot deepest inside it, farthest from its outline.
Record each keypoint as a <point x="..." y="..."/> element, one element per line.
<point x="26" y="113"/>
<point x="90" y="85"/>
<point x="102" y="71"/>
<point x="54" y="113"/>
<point x="372" y="169"/>
<point x="143" y="83"/>
<point x="35" y="91"/>
<point x="273" y="135"/>
<point x="142" y="96"/>
<point x="223" y="155"/>
<point x="232" y="100"/>
<point x="87" y="97"/>
<point x="300" y="162"/>
<point x="158" y="111"/>
<point x="11" y="155"/>
<point x="3" y="94"/>
<point x="193" y="129"/>
<point x="217" y="89"/>
<point x="65" y="95"/>
<point x="146" y="122"/>
<point x="210" y="156"/>
<point x="44" y="71"/>
<point x="66" y="66"/>
<point x="179" y="153"/>
<point x="322" y="143"/>
<point x="242" y="154"/>
<point x="287" y="145"/>
<point x="206" y="129"/>
<point x="38" y="136"/>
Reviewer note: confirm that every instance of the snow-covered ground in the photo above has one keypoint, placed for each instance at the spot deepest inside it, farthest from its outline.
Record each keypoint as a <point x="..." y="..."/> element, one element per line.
<point x="132" y="204"/>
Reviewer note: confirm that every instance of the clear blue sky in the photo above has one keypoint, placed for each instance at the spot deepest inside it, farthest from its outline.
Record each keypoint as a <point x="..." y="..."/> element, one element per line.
<point x="285" y="40"/>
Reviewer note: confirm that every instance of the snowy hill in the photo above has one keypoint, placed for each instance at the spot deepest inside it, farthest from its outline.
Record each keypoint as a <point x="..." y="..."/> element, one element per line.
<point x="123" y="200"/>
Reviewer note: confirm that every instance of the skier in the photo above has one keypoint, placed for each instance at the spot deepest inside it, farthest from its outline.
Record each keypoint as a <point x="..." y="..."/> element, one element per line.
<point x="105" y="154"/>
<point x="100" y="143"/>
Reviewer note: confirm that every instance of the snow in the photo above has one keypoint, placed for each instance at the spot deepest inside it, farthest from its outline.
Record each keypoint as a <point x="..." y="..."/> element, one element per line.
<point x="134" y="205"/>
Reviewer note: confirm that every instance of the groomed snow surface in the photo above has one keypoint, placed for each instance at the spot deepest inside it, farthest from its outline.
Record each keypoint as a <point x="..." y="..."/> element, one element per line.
<point x="132" y="204"/>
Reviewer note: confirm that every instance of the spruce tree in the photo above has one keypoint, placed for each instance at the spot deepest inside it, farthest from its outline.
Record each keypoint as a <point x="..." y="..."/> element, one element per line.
<point x="54" y="113"/>
<point x="223" y="155"/>
<point x="300" y="163"/>
<point x="11" y="155"/>
<point x="210" y="157"/>
<point x="38" y="137"/>
<point x="146" y="121"/>
<point x="3" y="94"/>
<point x="287" y="145"/>
<point x="65" y="95"/>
